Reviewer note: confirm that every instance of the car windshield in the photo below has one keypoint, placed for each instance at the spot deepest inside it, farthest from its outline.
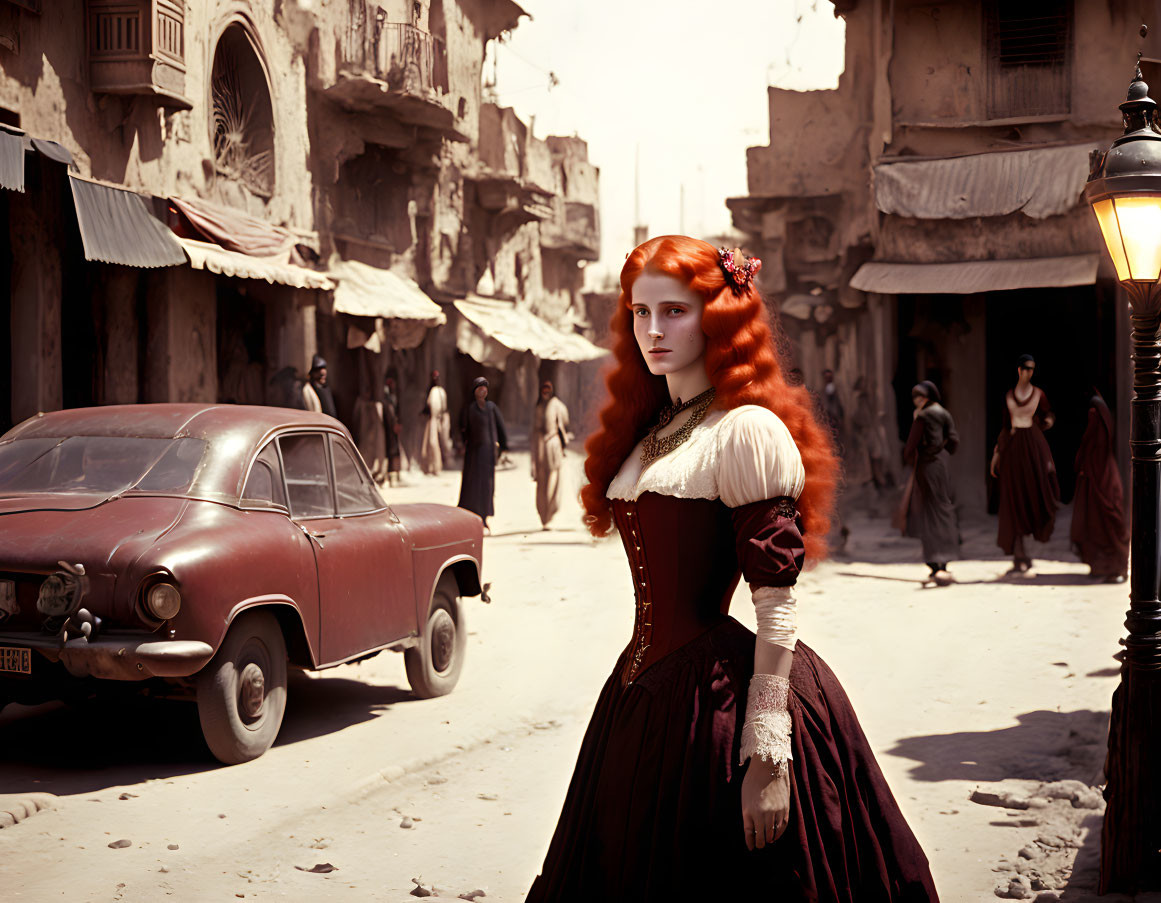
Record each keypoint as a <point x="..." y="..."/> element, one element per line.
<point x="99" y="464"/>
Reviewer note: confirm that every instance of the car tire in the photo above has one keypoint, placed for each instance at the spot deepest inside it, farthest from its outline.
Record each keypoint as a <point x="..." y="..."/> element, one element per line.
<point x="242" y="691"/>
<point x="434" y="664"/>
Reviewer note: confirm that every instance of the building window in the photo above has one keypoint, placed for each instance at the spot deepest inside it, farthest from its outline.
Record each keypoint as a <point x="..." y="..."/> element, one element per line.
<point x="243" y="121"/>
<point x="1029" y="45"/>
<point x="138" y="47"/>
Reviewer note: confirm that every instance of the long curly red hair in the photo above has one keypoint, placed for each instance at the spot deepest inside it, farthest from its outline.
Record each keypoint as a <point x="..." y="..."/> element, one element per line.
<point x="742" y="363"/>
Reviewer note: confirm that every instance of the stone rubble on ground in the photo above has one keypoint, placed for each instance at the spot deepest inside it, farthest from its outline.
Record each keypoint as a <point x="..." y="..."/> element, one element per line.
<point x="1046" y="864"/>
<point x="17" y="807"/>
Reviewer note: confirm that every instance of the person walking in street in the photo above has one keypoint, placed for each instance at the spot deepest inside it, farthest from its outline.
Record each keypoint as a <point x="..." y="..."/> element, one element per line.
<point x="928" y="509"/>
<point x="436" y="441"/>
<point x="483" y="432"/>
<point x="549" y="440"/>
<point x="1099" y="532"/>
<point x="392" y="431"/>
<point x="316" y="394"/>
<point x="717" y="763"/>
<point x="835" y="419"/>
<point x="1023" y="465"/>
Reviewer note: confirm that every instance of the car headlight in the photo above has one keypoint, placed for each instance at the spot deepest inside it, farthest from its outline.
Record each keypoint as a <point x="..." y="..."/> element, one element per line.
<point x="60" y="594"/>
<point x="163" y="601"/>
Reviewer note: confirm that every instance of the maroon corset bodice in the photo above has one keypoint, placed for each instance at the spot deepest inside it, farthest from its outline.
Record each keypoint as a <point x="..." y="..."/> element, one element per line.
<point x="685" y="568"/>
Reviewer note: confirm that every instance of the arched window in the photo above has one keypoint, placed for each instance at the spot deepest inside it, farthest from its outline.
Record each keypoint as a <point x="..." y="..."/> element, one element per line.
<point x="243" y="121"/>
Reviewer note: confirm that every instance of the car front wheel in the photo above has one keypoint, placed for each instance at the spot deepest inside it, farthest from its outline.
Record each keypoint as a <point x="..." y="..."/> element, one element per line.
<point x="434" y="665"/>
<point x="242" y="691"/>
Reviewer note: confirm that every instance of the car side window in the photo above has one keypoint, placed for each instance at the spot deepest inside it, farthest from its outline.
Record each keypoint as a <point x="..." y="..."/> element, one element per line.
<point x="355" y="490"/>
<point x="304" y="459"/>
<point x="264" y="484"/>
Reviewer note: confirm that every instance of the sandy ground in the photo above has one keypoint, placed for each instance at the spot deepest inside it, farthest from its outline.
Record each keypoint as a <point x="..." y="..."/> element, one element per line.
<point x="997" y="684"/>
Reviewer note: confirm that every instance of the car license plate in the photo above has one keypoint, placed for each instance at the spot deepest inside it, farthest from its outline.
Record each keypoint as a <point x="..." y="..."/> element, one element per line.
<point x="15" y="659"/>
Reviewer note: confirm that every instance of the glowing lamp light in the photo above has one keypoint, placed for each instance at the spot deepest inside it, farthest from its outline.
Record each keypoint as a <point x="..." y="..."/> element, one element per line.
<point x="1131" y="227"/>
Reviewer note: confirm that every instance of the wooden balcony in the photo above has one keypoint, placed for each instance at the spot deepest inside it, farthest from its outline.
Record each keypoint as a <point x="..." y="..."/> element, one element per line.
<point x="138" y="47"/>
<point x="392" y="66"/>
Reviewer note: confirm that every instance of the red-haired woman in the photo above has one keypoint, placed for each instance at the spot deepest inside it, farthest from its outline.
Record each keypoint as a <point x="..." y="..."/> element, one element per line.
<point x="711" y="467"/>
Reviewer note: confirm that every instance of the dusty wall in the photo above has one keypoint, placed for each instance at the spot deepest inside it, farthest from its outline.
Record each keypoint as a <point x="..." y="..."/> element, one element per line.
<point x="182" y="336"/>
<point x="939" y="73"/>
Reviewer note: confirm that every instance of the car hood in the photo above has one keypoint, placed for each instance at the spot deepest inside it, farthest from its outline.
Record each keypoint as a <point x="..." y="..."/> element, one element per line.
<point x="51" y="501"/>
<point x="38" y="531"/>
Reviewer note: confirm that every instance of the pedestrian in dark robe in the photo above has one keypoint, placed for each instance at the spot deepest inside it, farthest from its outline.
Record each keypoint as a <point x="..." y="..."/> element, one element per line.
<point x="392" y="429"/>
<point x="928" y="510"/>
<point x="831" y="407"/>
<point x="1023" y="465"/>
<point x="483" y="432"/>
<point x="1099" y="532"/>
<point x="316" y="394"/>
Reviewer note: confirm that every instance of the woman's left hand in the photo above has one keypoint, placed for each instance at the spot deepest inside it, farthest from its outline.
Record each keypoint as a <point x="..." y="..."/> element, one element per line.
<point x="765" y="803"/>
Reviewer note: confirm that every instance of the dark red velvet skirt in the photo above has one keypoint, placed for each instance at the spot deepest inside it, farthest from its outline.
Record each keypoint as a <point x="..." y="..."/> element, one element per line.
<point x="1029" y="490"/>
<point x="654" y="808"/>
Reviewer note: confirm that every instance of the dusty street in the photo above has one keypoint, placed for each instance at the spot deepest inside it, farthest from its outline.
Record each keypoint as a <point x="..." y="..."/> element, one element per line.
<point x="993" y="684"/>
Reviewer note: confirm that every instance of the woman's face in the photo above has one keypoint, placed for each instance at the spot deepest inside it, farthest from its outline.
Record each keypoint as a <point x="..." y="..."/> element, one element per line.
<point x="667" y="324"/>
<point x="918" y="400"/>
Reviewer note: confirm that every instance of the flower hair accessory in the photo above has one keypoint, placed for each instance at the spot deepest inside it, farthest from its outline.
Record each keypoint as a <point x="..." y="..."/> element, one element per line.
<point x="739" y="271"/>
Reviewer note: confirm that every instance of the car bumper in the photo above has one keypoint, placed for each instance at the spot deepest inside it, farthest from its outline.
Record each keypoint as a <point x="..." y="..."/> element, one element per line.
<point x="118" y="658"/>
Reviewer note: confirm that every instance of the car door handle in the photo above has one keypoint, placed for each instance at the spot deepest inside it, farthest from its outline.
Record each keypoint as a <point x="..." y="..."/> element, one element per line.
<point x="317" y="537"/>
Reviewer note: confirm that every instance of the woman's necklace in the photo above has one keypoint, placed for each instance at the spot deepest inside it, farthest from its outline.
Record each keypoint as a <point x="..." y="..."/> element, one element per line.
<point x="652" y="447"/>
<point x="1027" y="398"/>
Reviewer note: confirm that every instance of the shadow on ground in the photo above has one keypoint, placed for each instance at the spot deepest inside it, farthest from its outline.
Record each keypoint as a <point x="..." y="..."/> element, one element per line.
<point x="124" y="738"/>
<point x="1043" y="746"/>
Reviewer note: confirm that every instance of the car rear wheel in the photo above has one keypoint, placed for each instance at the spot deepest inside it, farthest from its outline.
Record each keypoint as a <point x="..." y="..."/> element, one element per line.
<point x="242" y="691"/>
<point x="434" y="665"/>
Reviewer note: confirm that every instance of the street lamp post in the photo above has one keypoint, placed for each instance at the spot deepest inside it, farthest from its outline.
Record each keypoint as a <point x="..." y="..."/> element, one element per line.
<point x="1124" y="189"/>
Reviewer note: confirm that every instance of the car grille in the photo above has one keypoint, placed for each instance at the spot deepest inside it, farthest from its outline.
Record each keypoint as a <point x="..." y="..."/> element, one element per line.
<point x="27" y="589"/>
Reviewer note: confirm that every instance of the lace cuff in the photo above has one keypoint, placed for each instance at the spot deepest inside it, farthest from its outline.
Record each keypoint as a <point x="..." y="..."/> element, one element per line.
<point x="766" y="731"/>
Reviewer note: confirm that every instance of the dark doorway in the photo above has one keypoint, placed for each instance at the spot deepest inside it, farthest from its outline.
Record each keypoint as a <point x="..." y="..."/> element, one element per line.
<point x="241" y="345"/>
<point x="1072" y="334"/>
<point x="6" y="320"/>
<point x="81" y="322"/>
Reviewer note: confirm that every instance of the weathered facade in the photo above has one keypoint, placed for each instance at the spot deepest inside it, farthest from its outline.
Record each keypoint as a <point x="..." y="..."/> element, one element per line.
<point x="329" y="181"/>
<point x="925" y="218"/>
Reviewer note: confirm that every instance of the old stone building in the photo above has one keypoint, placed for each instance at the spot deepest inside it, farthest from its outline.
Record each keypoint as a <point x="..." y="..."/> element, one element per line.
<point x="925" y="218"/>
<point x="201" y="196"/>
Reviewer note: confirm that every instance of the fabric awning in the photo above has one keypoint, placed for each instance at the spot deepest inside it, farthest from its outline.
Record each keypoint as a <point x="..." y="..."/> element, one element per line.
<point x="1038" y="183"/>
<point x="971" y="276"/>
<point x="117" y="227"/>
<point x="11" y="160"/>
<point x="366" y="291"/>
<point x="234" y="230"/>
<point x="493" y="323"/>
<point x="204" y="255"/>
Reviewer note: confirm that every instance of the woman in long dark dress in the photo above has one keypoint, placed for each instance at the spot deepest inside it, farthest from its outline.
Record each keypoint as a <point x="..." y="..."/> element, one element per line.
<point x="718" y="764"/>
<point x="1022" y="462"/>
<point x="483" y="432"/>
<point x="928" y="504"/>
<point x="1099" y="532"/>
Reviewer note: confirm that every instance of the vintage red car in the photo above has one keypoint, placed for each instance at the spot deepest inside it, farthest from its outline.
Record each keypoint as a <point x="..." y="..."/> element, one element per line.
<point x="213" y="546"/>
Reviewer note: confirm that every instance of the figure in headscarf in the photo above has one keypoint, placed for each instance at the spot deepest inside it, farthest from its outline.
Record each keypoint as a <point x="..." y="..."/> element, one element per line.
<point x="1099" y="532"/>
<point x="482" y="428"/>
<point x="1023" y="465"/>
<point x="928" y="509"/>
<point x="549" y="439"/>
<point x="436" y="428"/>
<point x="316" y="394"/>
<point x="392" y="430"/>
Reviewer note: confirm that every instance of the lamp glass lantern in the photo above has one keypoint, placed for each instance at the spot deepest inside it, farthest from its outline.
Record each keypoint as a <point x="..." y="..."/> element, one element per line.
<point x="1124" y="189"/>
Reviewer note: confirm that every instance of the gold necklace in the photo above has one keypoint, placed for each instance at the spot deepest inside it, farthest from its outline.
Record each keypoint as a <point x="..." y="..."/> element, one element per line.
<point x="652" y="447"/>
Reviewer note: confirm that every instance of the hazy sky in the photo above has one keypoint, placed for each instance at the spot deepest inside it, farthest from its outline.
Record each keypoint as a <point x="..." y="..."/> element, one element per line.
<point x="690" y="92"/>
